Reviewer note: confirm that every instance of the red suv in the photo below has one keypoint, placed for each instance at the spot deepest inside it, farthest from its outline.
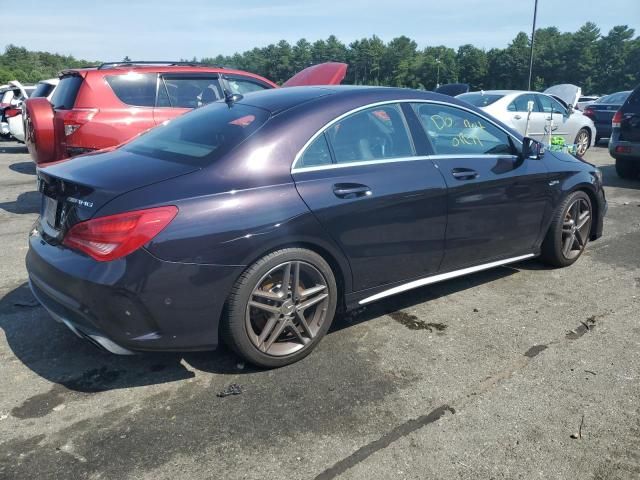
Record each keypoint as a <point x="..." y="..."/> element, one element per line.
<point x="101" y="107"/>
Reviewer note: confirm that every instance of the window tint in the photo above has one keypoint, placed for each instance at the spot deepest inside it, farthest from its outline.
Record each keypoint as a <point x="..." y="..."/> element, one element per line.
<point x="520" y="103"/>
<point x="244" y="85"/>
<point x="480" y="99"/>
<point x="65" y="95"/>
<point x="316" y="154"/>
<point x="181" y="91"/>
<point x="374" y="134"/>
<point x="42" y="90"/>
<point x="202" y="136"/>
<point x="136" y="89"/>
<point x="455" y="131"/>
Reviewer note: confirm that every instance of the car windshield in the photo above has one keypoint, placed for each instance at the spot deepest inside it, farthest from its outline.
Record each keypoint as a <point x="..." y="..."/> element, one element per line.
<point x="201" y="136"/>
<point x="480" y="99"/>
<point x="616" y="98"/>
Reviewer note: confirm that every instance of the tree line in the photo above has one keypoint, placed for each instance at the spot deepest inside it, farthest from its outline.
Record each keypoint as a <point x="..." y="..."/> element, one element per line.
<point x="597" y="62"/>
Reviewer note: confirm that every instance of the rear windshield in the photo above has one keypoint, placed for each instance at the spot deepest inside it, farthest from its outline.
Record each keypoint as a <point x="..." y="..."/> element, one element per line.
<point x="615" y="98"/>
<point x="42" y="90"/>
<point x="480" y="99"/>
<point x="65" y="95"/>
<point x="633" y="102"/>
<point x="201" y="136"/>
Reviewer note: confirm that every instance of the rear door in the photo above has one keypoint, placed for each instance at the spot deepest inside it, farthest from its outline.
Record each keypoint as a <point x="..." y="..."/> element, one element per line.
<point x="179" y="93"/>
<point x="496" y="199"/>
<point x="384" y="205"/>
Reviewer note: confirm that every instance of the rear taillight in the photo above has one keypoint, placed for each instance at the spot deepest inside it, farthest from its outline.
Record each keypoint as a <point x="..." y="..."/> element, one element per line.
<point x="12" y="112"/>
<point x="112" y="237"/>
<point x="590" y="112"/>
<point x="77" y="117"/>
<point x="617" y="119"/>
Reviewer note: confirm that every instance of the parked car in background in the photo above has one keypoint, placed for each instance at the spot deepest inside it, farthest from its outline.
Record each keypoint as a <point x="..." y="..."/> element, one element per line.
<point x="14" y="115"/>
<point x="550" y="116"/>
<point x="624" y="144"/>
<point x="453" y="89"/>
<point x="101" y="107"/>
<point x="585" y="100"/>
<point x="12" y="96"/>
<point x="602" y="110"/>
<point x="257" y="218"/>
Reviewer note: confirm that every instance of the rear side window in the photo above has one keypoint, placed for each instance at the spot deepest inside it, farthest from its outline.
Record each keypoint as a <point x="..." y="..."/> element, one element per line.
<point x="42" y="90"/>
<point x="135" y="89"/>
<point x="479" y="99"/>
<point x="453" y="131"/>
<point x="202" y="136"/>
<point x="316" y="154"/>
<point x="376" y="133"/>
<point x="65" y="95"/>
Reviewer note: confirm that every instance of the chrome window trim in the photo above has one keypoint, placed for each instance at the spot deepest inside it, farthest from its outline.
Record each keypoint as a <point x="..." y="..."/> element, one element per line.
<point x="390" y="160"/>
<point x="440" y="277"/>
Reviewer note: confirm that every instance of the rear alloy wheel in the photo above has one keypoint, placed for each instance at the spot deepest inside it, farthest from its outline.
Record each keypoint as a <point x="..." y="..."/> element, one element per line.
<point x="281" y="307"/>
<point x="626" y="168"/>
<point x="583" y="141"/>
<point x="569" y="231"/>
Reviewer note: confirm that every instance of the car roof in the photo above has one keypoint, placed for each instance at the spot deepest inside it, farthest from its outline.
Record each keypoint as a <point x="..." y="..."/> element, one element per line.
<point x="282" y="99"/>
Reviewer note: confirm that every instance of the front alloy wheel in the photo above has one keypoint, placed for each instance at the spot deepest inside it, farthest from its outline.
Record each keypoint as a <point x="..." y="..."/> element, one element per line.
<point x="583" y="140"/>
<point x="569" y="231"/>
<point x="281" y="307"/>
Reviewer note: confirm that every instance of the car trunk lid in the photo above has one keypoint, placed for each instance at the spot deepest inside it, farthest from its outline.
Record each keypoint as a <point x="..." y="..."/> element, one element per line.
<point x="330" y="73"/>
<point x="75" y="190"/>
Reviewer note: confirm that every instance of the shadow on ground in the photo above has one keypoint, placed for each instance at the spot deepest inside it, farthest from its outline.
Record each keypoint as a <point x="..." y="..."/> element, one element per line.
<point x="50" y="350"/>
<point x="13" y="149"/>
<point x="27" y="202"/>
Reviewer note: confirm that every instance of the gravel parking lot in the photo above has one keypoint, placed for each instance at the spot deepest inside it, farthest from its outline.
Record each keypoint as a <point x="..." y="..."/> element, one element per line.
<point x="488" y="376"/>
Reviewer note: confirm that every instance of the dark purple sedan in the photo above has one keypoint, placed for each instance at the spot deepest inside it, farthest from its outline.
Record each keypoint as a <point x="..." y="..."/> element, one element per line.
<point x="254" y="220"/>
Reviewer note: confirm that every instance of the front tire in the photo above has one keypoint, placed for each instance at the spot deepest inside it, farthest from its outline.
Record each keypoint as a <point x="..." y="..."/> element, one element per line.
<point x="569" y="231"/>
<point x="626" y="168"/>
<point x="280" y="307"/>
<point x="583" y="142"/>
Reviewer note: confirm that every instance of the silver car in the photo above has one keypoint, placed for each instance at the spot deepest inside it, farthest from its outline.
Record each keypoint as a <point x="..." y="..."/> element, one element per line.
<point x="540" y="116"/>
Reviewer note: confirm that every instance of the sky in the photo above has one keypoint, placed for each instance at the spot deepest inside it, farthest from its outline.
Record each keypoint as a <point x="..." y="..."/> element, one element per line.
<point x="108" y="30"/>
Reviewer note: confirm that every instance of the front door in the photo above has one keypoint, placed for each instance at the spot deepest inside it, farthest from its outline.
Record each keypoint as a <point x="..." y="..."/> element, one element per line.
<point x="383" y="205"/>
<point x="496" y="199"/>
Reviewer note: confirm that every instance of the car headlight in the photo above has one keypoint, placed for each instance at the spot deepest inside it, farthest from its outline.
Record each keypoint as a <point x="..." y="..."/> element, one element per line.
<point x="598" y="174"/>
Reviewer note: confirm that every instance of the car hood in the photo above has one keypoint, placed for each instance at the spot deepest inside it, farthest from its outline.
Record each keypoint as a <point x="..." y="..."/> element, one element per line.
<point x="568" y="93"/>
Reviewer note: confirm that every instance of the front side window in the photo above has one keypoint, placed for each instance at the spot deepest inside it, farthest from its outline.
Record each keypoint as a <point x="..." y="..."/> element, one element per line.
<point x="132" y="88"/>
<point x="244" y="85"/>
<point x="376" y="133"/>
<point x="181" y="91"/>
<point x="453" y="131"/>
<point x="551" y="105"/>
<point x="521" y="103"/>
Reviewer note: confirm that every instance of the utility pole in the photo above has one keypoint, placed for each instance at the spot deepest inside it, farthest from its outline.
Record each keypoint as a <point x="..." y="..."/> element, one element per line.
<point x="533" y="36"/>
<point x="438" y="75"/>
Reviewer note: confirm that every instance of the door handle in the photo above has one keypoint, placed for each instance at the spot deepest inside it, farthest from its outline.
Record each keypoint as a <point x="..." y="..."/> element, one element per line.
<point x="464" y="174"/>
<point x="351" y="190"/>
<point x="517" y="117"/>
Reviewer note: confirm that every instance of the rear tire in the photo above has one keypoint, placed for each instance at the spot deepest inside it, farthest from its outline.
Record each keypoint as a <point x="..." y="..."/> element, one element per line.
<point x="626" y="168"/>
<point x="569" y="231"/>
<point x="280" y="307"/>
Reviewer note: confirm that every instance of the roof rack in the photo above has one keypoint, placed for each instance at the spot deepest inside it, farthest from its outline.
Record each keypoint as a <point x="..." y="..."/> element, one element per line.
<point x="169" y="63"/>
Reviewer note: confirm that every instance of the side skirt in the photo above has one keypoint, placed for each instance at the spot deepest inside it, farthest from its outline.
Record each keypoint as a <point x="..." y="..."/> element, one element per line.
<point x="441" y="277"/>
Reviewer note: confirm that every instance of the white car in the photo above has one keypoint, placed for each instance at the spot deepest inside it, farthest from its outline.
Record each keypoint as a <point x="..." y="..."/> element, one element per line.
<point x="540" y="116"/>
<point x="585" y="100"/>
<point x="44" y="89"/>
<point x="12" y="95"/>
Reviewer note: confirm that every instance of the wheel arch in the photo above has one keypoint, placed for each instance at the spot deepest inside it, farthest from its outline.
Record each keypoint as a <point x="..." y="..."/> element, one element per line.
<point x="593" y="197"/>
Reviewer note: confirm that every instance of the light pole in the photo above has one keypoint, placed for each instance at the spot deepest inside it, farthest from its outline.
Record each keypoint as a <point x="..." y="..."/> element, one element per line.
<point x="533" y="36"/>
<point x="438" y="74"/>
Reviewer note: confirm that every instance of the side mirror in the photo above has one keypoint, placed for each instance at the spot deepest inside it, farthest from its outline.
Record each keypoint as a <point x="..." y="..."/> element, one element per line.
<point x="532" y="149"/>
<point x="569" y="109"/>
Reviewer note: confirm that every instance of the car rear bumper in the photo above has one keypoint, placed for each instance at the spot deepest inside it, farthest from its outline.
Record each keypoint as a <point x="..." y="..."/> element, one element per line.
<point x="623" y="149"/>
<point x="136" y="303"/>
